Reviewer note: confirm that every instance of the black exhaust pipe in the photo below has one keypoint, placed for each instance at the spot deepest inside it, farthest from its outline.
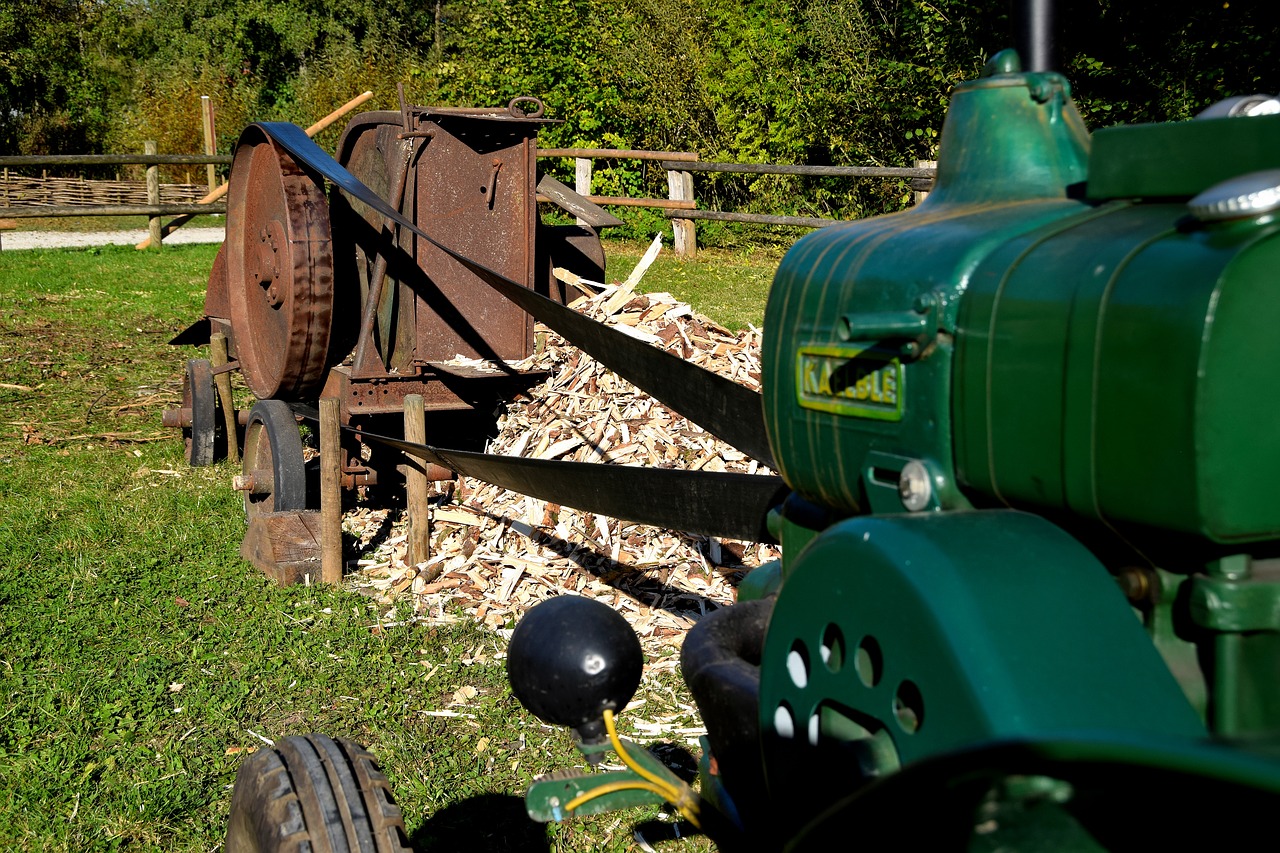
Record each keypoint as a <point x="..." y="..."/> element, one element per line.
<point x="1035" y="34"/>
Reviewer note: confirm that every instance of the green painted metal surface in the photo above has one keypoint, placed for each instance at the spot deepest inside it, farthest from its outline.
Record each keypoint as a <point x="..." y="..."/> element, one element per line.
<point x="1091" y="355"/>
<point x="547" y="797"/>
<point x="1179" y="159"/>
<point x="900" y="638"/>
<point x="1110" y="365"/>
<point x="861" y="320"/>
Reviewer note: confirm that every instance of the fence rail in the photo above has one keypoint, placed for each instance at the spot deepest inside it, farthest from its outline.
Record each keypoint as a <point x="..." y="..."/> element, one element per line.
<point x="680" y="206"/>
<point x="15" y="161"/>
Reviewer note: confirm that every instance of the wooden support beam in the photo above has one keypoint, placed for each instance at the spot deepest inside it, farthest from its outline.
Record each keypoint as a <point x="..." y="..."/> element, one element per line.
<point x="153" y="194"/>
<point x="218" y="358"/>
<point x="416" y="498"/>
<point x="284" y="545"/>
<point x="330" y="492"/>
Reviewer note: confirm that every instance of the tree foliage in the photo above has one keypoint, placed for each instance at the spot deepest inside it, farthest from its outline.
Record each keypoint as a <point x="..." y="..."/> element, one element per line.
<point x="782" y="81"/>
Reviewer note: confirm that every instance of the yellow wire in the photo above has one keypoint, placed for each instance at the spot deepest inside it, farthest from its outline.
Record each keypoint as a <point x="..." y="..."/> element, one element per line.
<point x="611" y="787"/>
<point x="671" y="791"/>
<point x="682" y="797"/>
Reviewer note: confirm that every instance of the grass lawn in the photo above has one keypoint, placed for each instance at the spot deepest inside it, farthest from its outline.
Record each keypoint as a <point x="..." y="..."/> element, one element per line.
<point x="730" y="287"/>
<point x="140" y="658"/>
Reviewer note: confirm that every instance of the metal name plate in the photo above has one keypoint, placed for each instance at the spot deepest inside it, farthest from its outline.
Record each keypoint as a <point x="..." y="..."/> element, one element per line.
<point x="858" y="381"/>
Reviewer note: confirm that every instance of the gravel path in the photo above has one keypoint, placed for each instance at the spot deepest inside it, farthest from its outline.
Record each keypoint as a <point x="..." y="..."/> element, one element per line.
<point x="11" y="240"/>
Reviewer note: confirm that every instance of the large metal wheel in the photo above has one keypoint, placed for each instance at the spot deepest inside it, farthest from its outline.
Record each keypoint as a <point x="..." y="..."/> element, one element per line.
<point x="316" y="794"/>
<point x="274" y="478"/>
<point x="279" y="270"/>
<point x="201" y="399"/>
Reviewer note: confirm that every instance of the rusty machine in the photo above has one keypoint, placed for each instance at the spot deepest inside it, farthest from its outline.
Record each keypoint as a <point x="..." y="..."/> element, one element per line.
<point x="314" y="297"/>
<point x="1030" y="594"/>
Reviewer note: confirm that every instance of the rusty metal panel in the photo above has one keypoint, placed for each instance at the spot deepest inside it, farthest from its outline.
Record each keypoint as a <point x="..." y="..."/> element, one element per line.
<point x="454" y="389"/>
<point x="474" y="192"/>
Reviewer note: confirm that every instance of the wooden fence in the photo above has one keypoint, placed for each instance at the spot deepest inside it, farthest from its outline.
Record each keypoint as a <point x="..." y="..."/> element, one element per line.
<point x="30" y="197"/>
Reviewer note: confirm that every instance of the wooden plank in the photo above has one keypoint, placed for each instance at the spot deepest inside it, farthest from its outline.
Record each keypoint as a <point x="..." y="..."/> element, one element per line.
<point x="919" y="194"/>
<point x="754" y="218"/>
<point x="620" y="201"/>
<point x="53" y="210"/>
<point x="582" y="180"/>
<point x="153" y="195"/>
<point x="821" y="171"/>
<point x="416" y="493"/>
<point x="330" y="491"/>
<point x="684" y="237"/>
<point x="222" y="378"/>
<point x="210" y="141"/>
<point x="617" y="154"/>
<point x="113" y="159"/>
<point x="285" y="546"/>
<point x="580" y="206"/>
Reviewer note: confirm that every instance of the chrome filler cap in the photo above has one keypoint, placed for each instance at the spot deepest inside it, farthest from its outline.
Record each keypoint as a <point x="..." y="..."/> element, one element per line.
<point x="1244" y="195"/>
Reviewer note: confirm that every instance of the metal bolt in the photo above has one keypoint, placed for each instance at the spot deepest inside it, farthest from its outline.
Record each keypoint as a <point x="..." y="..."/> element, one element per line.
<point x="249" y="483"/>
<point x="915" y="486"/>
<point x="925" y="301"/>
<point x="1137" y="584"/>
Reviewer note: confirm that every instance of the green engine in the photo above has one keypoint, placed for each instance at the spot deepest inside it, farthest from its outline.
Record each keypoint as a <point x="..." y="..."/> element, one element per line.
<point x="1062" y="327"/>
<point x="1030" y="595"/>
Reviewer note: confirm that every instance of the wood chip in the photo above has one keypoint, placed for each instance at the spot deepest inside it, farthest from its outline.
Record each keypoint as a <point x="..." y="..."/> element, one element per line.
<point x="497" y="553"/>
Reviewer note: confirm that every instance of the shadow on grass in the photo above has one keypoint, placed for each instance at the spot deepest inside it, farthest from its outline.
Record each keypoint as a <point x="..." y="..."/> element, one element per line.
<point x="486" y="823"/>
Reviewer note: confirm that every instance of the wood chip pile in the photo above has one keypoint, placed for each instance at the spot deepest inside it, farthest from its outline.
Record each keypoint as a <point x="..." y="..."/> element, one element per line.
<point x="495" y="553"/>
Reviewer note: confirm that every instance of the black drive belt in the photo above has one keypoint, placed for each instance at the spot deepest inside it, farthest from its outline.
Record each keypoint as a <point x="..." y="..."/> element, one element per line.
<point x="720" y="406"/>
<point x="709" y="503"/>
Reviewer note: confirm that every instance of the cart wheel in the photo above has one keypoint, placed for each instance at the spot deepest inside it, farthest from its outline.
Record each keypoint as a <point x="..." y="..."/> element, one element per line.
<point x="275" y="479"/>
<point x="313" y="793"/>
<point x="199" y="396"/>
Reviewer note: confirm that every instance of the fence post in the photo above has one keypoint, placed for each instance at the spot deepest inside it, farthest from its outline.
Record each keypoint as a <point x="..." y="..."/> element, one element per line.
<point x="210" y="143"/>
<point x="918" y="195"/>
<point x="582" y="178"/>
<point x="684" y="238"/>
<point x="153" y="191"/>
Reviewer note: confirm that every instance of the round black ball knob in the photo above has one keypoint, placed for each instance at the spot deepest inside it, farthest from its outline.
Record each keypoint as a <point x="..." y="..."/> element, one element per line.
<point x="570" y="658"/>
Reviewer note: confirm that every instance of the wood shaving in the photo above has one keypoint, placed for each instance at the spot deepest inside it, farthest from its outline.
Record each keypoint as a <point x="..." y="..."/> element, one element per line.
<point x="497" y="552"/>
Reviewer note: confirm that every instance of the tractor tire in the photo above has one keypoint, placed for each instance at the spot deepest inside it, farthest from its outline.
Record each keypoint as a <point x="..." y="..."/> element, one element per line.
<point x="313" y="794"/>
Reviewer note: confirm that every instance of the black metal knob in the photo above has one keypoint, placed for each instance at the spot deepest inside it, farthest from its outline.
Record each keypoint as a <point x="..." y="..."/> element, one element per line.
<point x="571" y="658"/>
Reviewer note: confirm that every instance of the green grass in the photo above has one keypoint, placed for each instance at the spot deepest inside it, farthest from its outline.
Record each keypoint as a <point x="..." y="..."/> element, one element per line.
<point x="730" y="287"/>
<point x="140" y="656"/>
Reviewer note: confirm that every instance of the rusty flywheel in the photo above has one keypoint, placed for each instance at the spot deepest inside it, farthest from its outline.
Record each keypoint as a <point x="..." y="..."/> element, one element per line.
<point x="279" y="270"/>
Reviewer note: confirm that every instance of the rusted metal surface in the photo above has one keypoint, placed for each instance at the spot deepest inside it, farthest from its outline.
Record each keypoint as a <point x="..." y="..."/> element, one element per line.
<point x="442" y="389"/>
<point x="575" y="248"/>
<point x="330" y="298"/>
<point x="279" y="270"/>
<point x="474" y="191"/>
<point x="470" y="182"/>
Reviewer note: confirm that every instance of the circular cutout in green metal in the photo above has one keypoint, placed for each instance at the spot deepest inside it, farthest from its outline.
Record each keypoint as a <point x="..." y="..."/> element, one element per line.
<point x="784" y="721"/>
<point x="908" y="707"/>
<point x="868" y="660"/>
<point x="798" y="664"/>
<point x="832" y="648"/>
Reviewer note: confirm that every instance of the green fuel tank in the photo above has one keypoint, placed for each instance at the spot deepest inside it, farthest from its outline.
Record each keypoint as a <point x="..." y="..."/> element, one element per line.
<point x="1065" y="325"/>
